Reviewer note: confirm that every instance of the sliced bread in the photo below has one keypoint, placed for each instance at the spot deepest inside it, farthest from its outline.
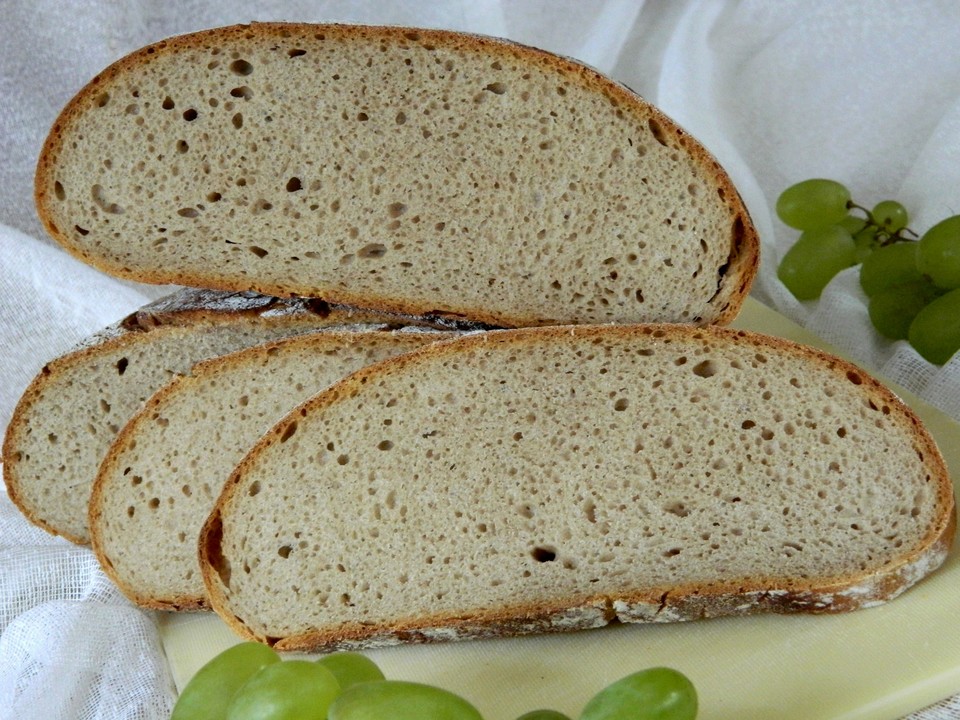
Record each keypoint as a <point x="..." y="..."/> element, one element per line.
<point x="72" y="410"/>
<point x="414" y="170"/>
<point x="167" y="466"/>
<point x="559" y="478"/>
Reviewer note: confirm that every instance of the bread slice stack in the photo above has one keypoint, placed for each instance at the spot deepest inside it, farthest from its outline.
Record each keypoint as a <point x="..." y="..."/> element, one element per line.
<point x="211" y="415"/>
<point x="73" y="409"/>
<point x="598" y="448"/>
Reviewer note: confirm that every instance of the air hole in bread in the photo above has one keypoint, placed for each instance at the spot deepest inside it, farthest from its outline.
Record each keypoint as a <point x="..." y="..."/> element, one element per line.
<point x="288" y="432"/>
<point x="237" y="121"/>
<point x="396" y="209"/>
<point x="190" y="115"/>
<point x="284" y="551"/>
<point x="293" y="184"/>
<point x="188" y="212"/>
<point x="705" y="369"/>
<point x="385" y="445"/>
<point x="214" y="197"/>
<point x="497" y="88"/>
<point x="58" y="191"/>
<point x="241" y="67"/>
<point x="372" y="251"/>
<point x="658" y="133"/>
<point x="621" y="404"/>
<point x="242" y="92"/>
<point x="544" y="554"/>
<point x="182" y="146"/>
<point x="401" y="118"/>
<point x="100" y="199"/>
<point x="343" y="459"/>
<point x="258" y="251"/>
<point x="296" y="52"/>
<point x="168" y="103"/>
<point x="122" y="364"/>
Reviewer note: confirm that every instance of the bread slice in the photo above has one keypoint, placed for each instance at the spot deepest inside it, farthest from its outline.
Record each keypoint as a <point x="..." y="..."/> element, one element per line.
<point x="560" y="478"/>
<point x="167" y="466"/>
<point x="72" y="410"/>
<point x="415" y="170"/>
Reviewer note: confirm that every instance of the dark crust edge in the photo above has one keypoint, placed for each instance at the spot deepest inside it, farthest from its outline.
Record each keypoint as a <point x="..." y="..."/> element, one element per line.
<point x="744" y="596"/>
<point x="733" y="286"/>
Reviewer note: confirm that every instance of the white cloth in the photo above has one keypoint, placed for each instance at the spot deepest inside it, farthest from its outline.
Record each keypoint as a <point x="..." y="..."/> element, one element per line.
<point x="863" y="91"/>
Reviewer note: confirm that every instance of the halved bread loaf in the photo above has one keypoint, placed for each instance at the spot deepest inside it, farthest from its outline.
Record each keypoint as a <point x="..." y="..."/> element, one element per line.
<point x="415" y="170"/>
<point x="167" y="466"/>
<point x="75" y="406"/>
<point x="560" y="478"/>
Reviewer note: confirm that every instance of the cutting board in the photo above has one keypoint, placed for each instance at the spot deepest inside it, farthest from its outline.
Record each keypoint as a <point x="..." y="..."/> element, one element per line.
<point x="877" y="664"/>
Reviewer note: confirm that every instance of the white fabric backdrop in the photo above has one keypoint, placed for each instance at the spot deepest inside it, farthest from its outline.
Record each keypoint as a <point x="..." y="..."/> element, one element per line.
<point x="863" y="91"/>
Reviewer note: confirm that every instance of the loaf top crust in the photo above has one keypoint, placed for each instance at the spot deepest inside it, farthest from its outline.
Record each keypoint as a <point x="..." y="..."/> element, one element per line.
<point x="417" y="171"/>
<point x="535" y="479"/>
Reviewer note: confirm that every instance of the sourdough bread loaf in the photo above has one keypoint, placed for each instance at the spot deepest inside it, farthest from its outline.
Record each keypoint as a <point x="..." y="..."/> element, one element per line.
<point x="560" y="478"/>
<point x="413" y="170"/>
<point x="72" y="410"/>
<point x="167" y="466"/>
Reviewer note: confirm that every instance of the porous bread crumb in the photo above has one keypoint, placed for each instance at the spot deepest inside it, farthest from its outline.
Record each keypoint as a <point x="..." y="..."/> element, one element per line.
<point x="421" y="171"/>
<point x="665" y="471"/>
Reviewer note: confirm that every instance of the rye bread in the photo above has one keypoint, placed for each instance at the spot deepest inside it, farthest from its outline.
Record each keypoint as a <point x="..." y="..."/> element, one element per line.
<point x="559" y="478"/>
<point x="420" y="171"/>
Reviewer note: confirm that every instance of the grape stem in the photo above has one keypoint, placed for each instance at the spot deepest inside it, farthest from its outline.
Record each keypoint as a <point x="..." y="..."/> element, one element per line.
<point x="885" y="236"/>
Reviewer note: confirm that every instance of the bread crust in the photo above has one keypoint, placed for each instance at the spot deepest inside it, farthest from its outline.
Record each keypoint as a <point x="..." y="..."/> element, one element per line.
<point x="738" y="596"/>
<point x="733" y="286"/>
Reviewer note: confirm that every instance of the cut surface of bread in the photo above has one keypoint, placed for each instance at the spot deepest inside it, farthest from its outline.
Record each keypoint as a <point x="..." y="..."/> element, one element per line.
<point x="167" y="466"/>
<point x="414" y="170"/>
<point x="72" y="410"/>
<point x="551" y="479"/>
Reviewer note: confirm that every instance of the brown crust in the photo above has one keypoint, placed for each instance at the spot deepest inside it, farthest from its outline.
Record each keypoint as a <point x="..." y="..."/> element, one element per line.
<point x="738" y="597"/>
<point x="733" y="287"/>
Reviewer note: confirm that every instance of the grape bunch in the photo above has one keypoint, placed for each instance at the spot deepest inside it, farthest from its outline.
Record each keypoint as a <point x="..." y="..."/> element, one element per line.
<point x="913" y="284"/>
<point x="250" y="681"/>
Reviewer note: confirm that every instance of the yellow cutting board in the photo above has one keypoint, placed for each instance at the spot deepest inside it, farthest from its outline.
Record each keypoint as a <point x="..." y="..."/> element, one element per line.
<point x="879" y="663"/>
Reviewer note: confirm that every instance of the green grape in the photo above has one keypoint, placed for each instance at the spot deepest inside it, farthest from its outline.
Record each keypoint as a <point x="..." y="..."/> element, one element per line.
<point x="939" y="253"/>
<point x="654" y="694"/>
<point x="208" y="693"/>
<point x="893" y="309"/>
<point x="935" y="331"/>
<point x="814" y="259"/>
<point x="400" y="700"/>
<point x="864" y="236"/>
<point x="813" y="204"/>
<point x="888" y="266"/>
<point x="290" y="690"/>
<point x="544" y="715"/>
<point x="350" y="668"/>
<point x="890" y="215"/>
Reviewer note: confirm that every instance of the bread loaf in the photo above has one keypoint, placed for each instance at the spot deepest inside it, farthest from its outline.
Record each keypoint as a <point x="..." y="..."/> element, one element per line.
<point x="74" y="407"/>
<point x="560" y="478"/>
<point x="413" y="170"/>
<point x="161" y="476"/>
